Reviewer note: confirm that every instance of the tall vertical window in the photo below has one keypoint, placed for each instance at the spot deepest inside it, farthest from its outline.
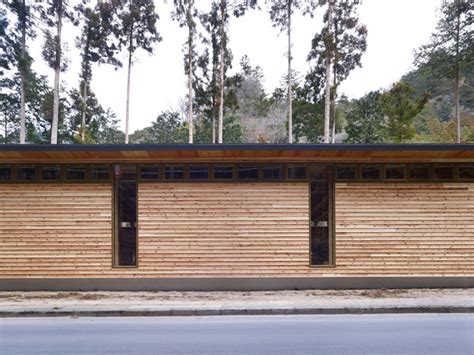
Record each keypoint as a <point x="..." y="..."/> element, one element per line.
<point x="321" y="223"/>
<point x="125" y="244"/>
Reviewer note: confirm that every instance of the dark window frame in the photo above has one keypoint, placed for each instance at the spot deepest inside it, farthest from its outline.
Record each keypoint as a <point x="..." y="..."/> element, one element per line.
<point x="331" y="218"/>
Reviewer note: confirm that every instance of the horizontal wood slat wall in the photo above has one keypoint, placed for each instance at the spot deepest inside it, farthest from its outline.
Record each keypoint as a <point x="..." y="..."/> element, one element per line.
<point x="405" y="229"/>
<point x="224" y="229"/>
<point x="55" y="230"/>
<point x="231" y="229"/>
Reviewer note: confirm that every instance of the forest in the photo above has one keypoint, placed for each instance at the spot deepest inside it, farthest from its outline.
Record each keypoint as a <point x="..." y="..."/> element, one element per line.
<point x="433" y="103"/>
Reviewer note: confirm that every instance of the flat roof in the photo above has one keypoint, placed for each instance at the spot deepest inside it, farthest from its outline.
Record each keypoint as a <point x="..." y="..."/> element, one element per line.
<point x="146" y="153"/>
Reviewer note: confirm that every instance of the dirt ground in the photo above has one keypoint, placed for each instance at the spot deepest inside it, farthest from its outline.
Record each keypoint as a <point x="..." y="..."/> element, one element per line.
<point x="235" y="300"/>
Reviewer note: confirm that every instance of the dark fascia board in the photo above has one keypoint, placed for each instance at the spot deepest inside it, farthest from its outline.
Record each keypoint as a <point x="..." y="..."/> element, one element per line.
<point x="233" y="147"/>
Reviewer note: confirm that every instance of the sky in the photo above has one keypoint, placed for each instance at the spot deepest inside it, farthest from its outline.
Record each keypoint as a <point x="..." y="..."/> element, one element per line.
<point x="395" y="29"/>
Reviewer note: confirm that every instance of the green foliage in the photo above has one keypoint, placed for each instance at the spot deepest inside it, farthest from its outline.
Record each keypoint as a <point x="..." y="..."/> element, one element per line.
<point x="101" y="124"/>
<point x="168" y="128"/>
<point x="135" y="25"/>
<point x="400" y="108"/>
<point x="365" y="120"/>
<point x="346" y="45"/>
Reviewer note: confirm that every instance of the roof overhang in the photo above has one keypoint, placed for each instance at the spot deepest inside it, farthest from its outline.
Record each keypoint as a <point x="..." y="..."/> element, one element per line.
<point x="149" y="153"/>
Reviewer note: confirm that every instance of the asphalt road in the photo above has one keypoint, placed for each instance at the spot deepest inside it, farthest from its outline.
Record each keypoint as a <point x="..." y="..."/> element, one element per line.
<point x="352" y="334"/>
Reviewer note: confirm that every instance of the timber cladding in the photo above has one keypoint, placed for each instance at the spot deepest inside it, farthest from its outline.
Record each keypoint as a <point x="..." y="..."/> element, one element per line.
<point x="55" y="230"/>
<point x="405" y="229"/>
<point x="237" y="230"/>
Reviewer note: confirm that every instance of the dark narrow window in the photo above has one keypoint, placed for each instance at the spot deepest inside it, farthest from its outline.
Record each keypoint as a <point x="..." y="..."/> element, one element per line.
<point x="466" y="172"/>
<point x="321" y="214"/>
<point x="419" y="172"/>
<point x="297" y="172"/>
<point x="248" y="172"/>
<point x="272" y="172"/>
<point x="126" y="215"/>
<point x="100" y="172"/>
<point x="174" y="172"/>
<point x="26" y="173"/>
<point x="346" y="172"/>
<point x="50" y="173"/>
<point x="150" y="172"/>
<point x="5" y="173"/>
<point x="199" y="172"/>
<point x="395" y="172"/>
<point x="370" y="172"/>
<point x="76" y="173"/>
<point x="223" y="172"/>
<point x="443" y="173"/>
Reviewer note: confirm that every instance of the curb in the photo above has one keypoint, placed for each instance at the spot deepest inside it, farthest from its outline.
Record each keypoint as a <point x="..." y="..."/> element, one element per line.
<point x="237" y="312"/>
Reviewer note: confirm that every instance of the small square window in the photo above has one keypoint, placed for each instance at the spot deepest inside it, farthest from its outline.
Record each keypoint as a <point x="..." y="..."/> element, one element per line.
<point x="248" y="172"/>
<point x="100" y="173"/>
<point x="297" y="172"/>
<point x="174" y="172"/>
<point x="272" y="172"/>
<point x="370" y="172"/>
<point x="223" y="172"/>
<point x="466" y="172"/>
<point x="443" y="173"/>
<point x="419" y="172"/>
<point x="50" y="173"/>
<point x="199" y="172"/>
<point x="5" y="173"/>
<point x="76" y="173"/>
<point x="26" y="173"/>
<point x="150" y="172"/>
<point x="395" y="172"/>
<point x="346" y="172"/>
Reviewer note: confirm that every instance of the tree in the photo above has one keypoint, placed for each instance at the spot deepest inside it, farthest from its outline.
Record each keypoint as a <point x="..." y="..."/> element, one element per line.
<point x="23" y="29"/>
<point x="400" y="108"/>
<point x="96" y="47"/>
<point x="365" y="120"/>
<point x="53" y="14"/>
<point x="336" y="50"/>
<point x="451" y="48"/>
<point x="216" y="23"/>
<point x="135" y="29"/>
<point x="185" y="13"/>
<point x="6" y="42"/>
<point x="281" y="12"/>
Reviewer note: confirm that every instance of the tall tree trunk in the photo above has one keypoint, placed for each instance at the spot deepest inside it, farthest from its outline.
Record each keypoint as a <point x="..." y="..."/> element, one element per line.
<point x="84" y="109"/>
<point x="127" y="108"/>
<point x="190" y="74"/>
<point x="327" y="99"/>
<point x="23" y="76"/>
<point x="290" y="81"/>
<point x="57" y="71"/>
<point x="456" y="82"/>
<point x="221" y="74"/>
<point x="213" y="127"/>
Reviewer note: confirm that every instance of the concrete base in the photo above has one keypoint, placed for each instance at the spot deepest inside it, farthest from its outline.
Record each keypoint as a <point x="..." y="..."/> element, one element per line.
<point x="231" y="284"/>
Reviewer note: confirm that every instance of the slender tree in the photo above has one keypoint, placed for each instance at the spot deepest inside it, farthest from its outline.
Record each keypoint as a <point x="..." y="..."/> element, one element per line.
<point x="54" y="13"/>
<point x="96" y="47"/>
<point x="185" y="13"/>
<point x="281" y="12"/>
<point x="23" y="30"/>
<point x="216" y="23"/>
<point x="450" y="48"/>
<point x="135" y="29"/>
<point x="336" y="51"/>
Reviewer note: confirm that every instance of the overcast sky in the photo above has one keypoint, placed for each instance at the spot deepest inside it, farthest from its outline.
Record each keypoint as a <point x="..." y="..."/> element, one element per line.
<point x="395" y="29"/>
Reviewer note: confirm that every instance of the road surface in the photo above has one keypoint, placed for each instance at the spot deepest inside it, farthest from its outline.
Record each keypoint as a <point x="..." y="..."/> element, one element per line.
<point x="335" y="334"/>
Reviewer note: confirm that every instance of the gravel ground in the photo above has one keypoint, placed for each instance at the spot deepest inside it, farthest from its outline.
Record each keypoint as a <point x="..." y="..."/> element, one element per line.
<point x="130" y="301"/>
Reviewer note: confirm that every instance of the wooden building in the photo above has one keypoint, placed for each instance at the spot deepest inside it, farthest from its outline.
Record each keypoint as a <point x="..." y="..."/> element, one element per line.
<point x="204" y="217"/>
